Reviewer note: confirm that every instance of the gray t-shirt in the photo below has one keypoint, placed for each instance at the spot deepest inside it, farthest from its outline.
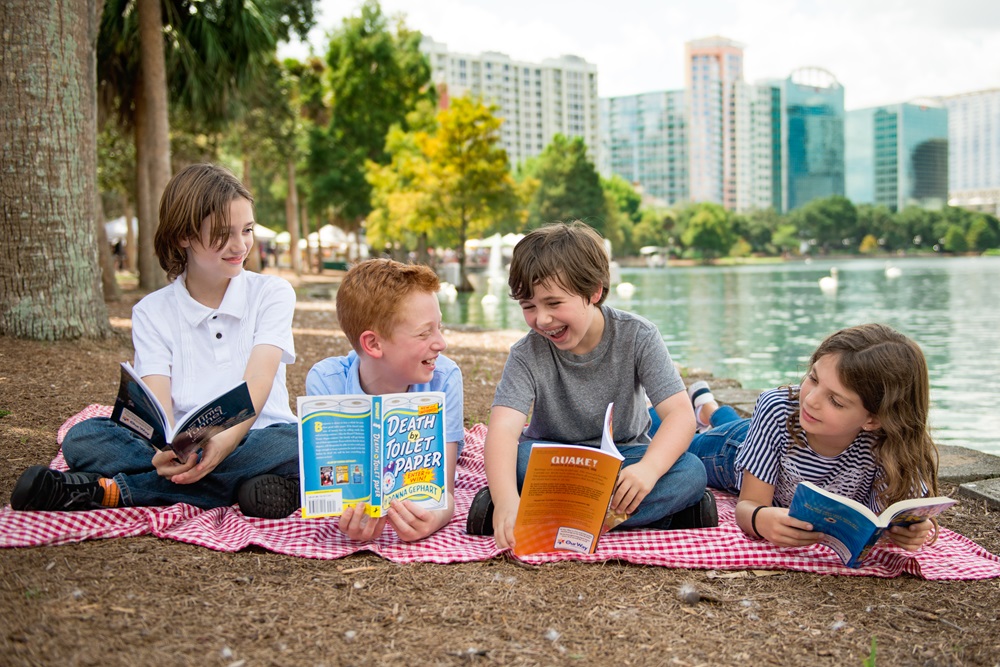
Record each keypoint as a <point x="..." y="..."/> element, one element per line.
<point x="571" y="392"/>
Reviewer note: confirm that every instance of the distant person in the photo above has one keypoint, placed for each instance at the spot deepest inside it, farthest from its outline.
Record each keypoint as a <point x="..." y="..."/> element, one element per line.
<point x="856" y="426"/>
<point x="213" y="326"/>
<point x="390" y="314"/>
<point x="579" y="356"/>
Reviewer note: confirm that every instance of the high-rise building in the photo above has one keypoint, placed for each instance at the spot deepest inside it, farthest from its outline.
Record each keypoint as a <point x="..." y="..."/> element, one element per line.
<point x="974" y="150"/>
<point x="643" y="140"/>
<point x="897" y="155"/>
<point x="713" y="68"/>
<point x="812" y="136"/>
<point x="759" y="157"/>
<point x="535" y="100"/>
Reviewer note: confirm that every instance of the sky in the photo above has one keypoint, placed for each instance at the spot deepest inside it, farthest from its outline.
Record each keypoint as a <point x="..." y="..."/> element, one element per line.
<point x="881" y="51"/>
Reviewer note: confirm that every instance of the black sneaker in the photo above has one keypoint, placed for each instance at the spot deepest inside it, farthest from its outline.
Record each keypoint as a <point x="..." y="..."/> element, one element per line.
<point x="43" y="489"/>
<point x="269" y="496"/>
<point x="480" y="521"/>
<point x="703" y="515"/>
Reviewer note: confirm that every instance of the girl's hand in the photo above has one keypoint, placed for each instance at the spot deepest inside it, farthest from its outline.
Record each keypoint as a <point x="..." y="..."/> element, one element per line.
<point x="503" y="523"/>
<point x="412" y="522"/>
<point x="167" y="465"/>
<point x="775" y="526"/>
<point x="634" y="484"/>
<point x="357" y="525"/>
<point x="911" y="537"/>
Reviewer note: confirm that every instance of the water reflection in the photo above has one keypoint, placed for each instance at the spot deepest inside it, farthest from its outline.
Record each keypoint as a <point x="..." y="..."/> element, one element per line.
<point x="759" y="324"/>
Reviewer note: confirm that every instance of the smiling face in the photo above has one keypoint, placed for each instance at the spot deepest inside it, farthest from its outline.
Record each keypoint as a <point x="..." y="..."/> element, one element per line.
<point x="211" y="264"/>
<point x="567" y="320"/>
<point x="831" y="414"/>
<point x="409" y="355"/>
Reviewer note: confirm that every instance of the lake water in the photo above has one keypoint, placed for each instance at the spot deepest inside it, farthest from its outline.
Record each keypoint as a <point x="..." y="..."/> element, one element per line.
<point x="759" y="324"/>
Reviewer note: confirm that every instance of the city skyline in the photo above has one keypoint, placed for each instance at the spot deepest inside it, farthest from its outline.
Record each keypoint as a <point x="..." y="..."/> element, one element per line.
<point x="881" y="53"/>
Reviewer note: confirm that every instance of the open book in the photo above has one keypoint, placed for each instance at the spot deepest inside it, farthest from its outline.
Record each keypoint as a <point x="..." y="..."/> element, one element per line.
<point x="137" y="409"/>
<point x="357" y="449"/>
<point x="566" y="496"/>
<point x="850" y="528"/>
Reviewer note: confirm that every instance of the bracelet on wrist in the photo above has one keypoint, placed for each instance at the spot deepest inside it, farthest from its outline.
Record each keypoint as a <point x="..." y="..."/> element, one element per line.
<point x="753" y="521"/>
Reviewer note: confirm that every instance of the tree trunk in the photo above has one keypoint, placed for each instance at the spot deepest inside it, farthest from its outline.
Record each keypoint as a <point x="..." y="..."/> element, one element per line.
<point x="147" y="265"/>
<point x="252" y="262"/>
<point x="304" y="214"/>
<point x="157" y="135"/>
<point x="50" y="286"/>
<point x="131" y="256"/>
<point x="291" y="220"/>
<point x="109" y="285"/>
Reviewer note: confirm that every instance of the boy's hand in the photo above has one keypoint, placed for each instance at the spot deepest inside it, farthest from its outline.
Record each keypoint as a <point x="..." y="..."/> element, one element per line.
<point x="357" y="525"/>
<point x="503" y="523"/>
<point x="911" y="537"/>
<point x="634" y="484"/>
<point x="775" y="526"/>
<point x="412" y="522"/>
<point x="214" y="452"/>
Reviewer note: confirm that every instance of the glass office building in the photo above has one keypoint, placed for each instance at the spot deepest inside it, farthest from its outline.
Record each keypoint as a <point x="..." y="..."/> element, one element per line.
<point x="643" y="140"/>
<point x="897" y="155"/>
<point x="974" y="150"/>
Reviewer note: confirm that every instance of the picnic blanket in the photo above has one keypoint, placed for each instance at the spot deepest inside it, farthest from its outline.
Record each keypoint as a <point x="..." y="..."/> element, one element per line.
<point x="723" y="548"/>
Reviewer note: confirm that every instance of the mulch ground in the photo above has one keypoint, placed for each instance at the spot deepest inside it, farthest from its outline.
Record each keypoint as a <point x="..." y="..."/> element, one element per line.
<point x="148" y="601"/>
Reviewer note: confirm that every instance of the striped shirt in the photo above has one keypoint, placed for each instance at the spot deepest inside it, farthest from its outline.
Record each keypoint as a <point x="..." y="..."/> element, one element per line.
<point x="771" y="455"/>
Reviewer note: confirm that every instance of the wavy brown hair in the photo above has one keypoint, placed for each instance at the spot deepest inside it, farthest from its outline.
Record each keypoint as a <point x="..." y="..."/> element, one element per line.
<point x="369" y="296"/>
<point x="193" y="194"/>
<point x="571" y="255"/>
<point x="888" y="372"/>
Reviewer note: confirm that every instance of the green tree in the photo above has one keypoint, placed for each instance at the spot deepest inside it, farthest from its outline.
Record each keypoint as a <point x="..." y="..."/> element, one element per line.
<point x="830" y="222"/>
<point x="569" y="187"/>
<point x="954" y="239"/>
<point x="757" y="227"/>
<point x="981" y="235"/>
<point x="50" y="285"/>
<point x="708" y="230"/>
<point x="376" y="77"/>
<point x="445" y="184"/>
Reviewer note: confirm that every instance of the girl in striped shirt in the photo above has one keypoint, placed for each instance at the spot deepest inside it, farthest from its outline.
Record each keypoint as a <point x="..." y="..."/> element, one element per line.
<point x="857" y="426"/>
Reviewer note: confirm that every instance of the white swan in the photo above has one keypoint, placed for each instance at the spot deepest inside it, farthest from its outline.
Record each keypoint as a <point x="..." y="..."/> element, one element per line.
<point x="892" y="272"/>
<point x="828" y="284"/>
<point x="625" y="290"/>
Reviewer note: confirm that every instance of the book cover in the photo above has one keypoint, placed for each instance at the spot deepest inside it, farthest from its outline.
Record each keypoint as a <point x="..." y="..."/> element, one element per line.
<point x="357" y="449"/>
<point x="137" y="408"/>
<point x="566" y="495"/>
<point x="850" y="528"/>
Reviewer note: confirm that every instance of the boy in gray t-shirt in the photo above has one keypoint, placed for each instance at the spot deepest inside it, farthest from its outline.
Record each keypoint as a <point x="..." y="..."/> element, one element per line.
<point x="579" y="356"/>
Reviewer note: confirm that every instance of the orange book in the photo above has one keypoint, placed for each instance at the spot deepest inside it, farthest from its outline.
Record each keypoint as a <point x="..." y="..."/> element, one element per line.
<point x="566" y="496"/>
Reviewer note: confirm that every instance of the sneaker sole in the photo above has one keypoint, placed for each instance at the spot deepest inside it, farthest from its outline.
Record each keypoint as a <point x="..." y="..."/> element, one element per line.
<point x="269" y="497"/>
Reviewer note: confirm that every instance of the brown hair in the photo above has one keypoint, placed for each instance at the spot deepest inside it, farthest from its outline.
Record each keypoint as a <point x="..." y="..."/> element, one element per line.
<point x="572" y="255"/>
<point x="193" y="194"/>
<point x="888" y="372"/>
<point x="369" y="296"/>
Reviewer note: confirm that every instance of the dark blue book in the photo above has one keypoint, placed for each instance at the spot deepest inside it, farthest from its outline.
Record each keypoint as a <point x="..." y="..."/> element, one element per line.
<point x="850" y="528"/>
<point x="137" y="409"/>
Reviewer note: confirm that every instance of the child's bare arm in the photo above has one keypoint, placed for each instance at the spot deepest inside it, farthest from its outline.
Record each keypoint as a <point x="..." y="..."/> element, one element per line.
<point x="671" y="440"/>
<point x="500" y="457"/>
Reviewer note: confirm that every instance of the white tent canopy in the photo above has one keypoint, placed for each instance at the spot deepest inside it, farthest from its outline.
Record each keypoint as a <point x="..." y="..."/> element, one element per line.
<point x="263" y="233"/>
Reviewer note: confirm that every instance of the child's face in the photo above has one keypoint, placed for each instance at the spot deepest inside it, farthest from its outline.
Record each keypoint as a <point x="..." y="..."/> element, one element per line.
<point x="410" y="355"/>
<point x="566" y="320"/>
<point x="831" y="414"/>
<point x="206" y="261"/>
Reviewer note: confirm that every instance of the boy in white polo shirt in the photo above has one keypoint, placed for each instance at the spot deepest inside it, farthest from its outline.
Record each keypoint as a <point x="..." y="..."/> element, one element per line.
<point x="211" y="327"/>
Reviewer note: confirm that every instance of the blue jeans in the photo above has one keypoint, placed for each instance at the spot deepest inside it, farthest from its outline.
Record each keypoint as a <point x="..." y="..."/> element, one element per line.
<point x="718" y="446"/>
<point x="682" y="486"/>
<point x="102" y="446"/>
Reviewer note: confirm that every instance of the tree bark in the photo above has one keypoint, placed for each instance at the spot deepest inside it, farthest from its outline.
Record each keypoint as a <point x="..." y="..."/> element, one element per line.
<point x="109" y="284"/>
<point x="156" y="139"/>
<point x="50" y="282"/>
<point x="291" y="220"/>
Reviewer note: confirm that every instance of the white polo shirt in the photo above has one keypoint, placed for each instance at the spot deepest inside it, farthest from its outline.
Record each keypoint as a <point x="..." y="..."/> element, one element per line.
<point x="204" y="351"/>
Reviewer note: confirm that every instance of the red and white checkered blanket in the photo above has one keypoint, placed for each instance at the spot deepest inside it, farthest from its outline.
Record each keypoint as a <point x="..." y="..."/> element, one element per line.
<point x="724" y="548"/>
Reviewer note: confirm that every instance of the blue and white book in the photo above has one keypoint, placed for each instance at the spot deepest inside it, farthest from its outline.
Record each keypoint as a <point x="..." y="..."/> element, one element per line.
<point x="850" y="528"/>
